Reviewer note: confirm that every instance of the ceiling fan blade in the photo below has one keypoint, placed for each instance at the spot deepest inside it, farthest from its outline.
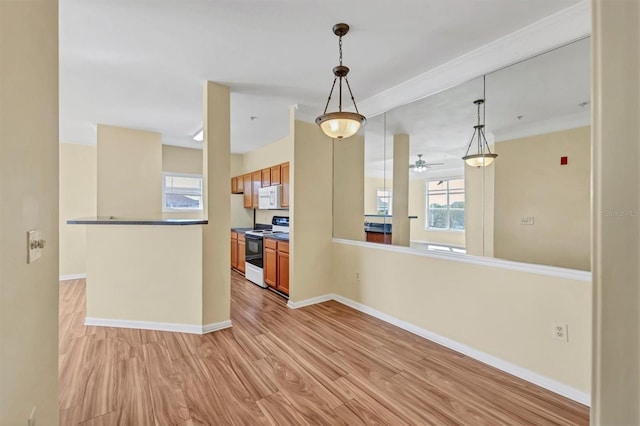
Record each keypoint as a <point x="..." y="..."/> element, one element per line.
<point x="411" y="166"/>
<point x="435" y="164"/>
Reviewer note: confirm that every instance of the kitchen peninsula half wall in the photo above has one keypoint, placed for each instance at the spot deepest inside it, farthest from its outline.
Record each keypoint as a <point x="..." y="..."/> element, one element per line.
<point x="145" y="274"/>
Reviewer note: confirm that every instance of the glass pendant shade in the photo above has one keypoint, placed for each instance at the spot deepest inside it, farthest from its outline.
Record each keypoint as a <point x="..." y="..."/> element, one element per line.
<point x="479" y="160"/>
<point x="340" y="125"/>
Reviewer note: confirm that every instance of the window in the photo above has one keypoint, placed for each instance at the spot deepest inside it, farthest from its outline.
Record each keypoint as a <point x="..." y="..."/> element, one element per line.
<point x="383" y="201"/>
<point x="181" y="192"/>
<point x="445" y="204"/>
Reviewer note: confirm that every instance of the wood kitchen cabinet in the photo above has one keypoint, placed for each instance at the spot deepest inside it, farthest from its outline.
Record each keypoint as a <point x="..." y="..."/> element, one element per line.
<point x="284" y="179"/>
<point x="283" y="267"/>
<point x="237" y="251"/>
<point x="246" y="185"/>
<point x="256" y="184"/>
<point x="241" y="253"/>
<point x="237" y="185"/>
<point x="266" y="177"/>
<point x="234" y="250"/>
<point x="276" y="264"/>
<point x="270" y="264"/>
<point x="275" y="175"/>
<point x="379" y="237"/>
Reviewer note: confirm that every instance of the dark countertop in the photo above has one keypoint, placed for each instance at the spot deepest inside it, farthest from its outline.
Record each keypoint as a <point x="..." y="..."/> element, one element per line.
<point x="241" y="230"/>
<point x="284" y="236"/>
<point x="382" y="228"/>
<point x="111" y="220"/>
<point x="386" y="215"/>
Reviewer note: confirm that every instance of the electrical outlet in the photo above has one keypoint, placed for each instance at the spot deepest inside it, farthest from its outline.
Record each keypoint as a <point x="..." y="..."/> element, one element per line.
<point x="526" y="221"/>
<point x="357" y="276"/>
<point x="560" y="331"/>
<point x="31" y="421"/>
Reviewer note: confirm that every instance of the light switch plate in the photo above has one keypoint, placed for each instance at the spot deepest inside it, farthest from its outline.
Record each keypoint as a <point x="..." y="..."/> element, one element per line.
<point x="526" y="221"/>
<point x="34" y="250"/>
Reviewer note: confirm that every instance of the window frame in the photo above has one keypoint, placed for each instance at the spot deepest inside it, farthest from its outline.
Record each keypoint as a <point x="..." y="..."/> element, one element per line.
<point x="448" y="208"/>
<point x="166" y="209"/>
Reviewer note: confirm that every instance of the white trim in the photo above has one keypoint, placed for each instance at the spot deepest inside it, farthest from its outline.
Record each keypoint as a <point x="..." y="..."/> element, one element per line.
<point x="72" y="277"/>
<point x="306" y="302"/>
<point x="500" y="364"/>
<point x="159" y="326"/>
<point x="570" y="24"/>
<point x="532" y="268"/>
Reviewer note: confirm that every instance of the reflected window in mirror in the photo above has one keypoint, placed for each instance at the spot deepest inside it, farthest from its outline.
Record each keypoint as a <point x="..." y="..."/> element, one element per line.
<point x="384" y="201"/>
<point x="445" y="204"/>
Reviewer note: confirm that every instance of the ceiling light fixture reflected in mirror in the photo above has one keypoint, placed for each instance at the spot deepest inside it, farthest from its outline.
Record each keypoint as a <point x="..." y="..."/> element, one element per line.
<point x="421" y="166"/>
<point x="483" y="156"/>
<point x="340" y="124"/>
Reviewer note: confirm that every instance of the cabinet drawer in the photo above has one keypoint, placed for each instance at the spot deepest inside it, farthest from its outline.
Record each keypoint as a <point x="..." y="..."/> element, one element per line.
<point x="240" y="237"/>
<point x="283" y="246"/>
<point x="269" y="243"/>
<point x="234" y="235"/>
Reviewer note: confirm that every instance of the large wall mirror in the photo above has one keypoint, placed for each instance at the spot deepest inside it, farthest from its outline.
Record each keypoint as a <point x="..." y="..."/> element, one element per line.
<point x="404" y="182"/>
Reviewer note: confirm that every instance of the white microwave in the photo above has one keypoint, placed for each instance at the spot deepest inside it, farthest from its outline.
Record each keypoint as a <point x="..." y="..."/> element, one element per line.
<point x="269" y="197"/>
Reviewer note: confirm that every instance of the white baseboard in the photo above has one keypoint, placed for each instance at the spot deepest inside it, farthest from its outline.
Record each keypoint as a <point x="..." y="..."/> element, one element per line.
<point x="72" y="277"/>
<point x="500" y="364"/>
<point x="159" y="326"/>
<point x="312" y="301"/>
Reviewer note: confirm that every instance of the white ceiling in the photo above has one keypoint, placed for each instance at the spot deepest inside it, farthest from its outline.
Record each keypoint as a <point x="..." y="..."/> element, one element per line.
<point x="546" y="91"/>
<point x="142" y="64"/>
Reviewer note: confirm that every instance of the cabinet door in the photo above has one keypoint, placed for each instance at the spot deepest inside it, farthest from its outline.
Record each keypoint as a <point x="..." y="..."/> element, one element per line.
<point x="266" y="177"/>
<point x="246" y="184"/>
<point x="284" y="178"/>
<point x="239" y="188"/>
<point x="234" y="254"/>
<point x="241" y="249"/>
<point x="270" y="267"/>
<point x="256" y="184"/>
<point x="283" y="272"/>
<point x="234" y="184"/>
<point x="275" y="175"/>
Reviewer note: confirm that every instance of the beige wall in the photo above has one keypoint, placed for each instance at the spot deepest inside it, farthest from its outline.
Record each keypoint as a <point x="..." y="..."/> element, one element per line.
<point x="129" y="172"/>
<point x="181" y="160"/>
<point x="468" y="303"/>
<point x="216" y="274"/>
<point x="29" y="200"/>
<point x="616" y="235"/>
<point x="348" y="188"/>
<point x="126" y="280"/>
<point x="77" y="199"/>
<point x="417" y="207"/>
<point x="310" y="258"/>
<point x="530" y="182"/>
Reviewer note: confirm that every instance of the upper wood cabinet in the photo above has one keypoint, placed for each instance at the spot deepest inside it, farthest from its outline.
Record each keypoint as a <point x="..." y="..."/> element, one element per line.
<point x="284" y="179"/>
<point x="275" y="175"/>
<point x="266" y="177"/>
<point x="246" y="185"/>
<point x="237" y="186"/>
<point x="256" y="184"/>
<point x="250" y="183"/>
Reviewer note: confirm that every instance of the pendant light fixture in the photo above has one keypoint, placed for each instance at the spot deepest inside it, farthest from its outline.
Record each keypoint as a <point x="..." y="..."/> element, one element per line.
<point x="483" y="156"/>
<point x="340" y="124"/>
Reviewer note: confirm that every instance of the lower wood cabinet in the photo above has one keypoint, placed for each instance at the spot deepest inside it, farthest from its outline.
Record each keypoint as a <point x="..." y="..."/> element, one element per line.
<point x="276" y="264"/>
<point x="379" y="237"/>
<point x="237" y="251"/>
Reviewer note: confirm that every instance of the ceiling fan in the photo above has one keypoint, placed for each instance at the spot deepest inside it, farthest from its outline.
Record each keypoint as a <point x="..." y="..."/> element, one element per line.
<point x="421" y="165"/>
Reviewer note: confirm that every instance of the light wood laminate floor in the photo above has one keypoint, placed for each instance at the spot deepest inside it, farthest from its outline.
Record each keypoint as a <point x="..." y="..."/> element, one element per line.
<point x="324" y="364"/>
